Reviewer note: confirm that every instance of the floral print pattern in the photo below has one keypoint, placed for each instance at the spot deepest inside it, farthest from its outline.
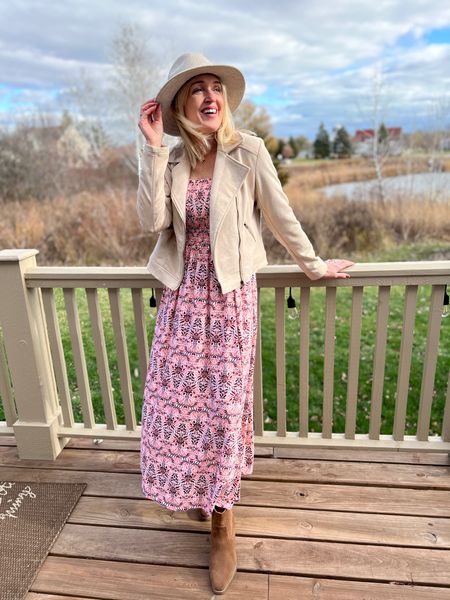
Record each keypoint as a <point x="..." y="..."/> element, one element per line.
<point x="197" y="414"/>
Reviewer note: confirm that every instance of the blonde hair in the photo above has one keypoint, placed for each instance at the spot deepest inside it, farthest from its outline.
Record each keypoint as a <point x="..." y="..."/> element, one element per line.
<point x="198" y="144"/>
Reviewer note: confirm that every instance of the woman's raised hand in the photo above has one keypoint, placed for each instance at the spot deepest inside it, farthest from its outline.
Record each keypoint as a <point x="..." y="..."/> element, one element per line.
<point x="335" y="265"/>
<point x="151" y="123"/>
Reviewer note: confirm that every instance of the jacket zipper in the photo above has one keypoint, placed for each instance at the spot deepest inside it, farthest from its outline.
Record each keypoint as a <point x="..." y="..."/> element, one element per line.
<point x="239" y="247"/>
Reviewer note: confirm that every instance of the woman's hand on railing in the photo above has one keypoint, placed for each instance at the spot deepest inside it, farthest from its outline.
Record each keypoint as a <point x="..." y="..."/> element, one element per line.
<point x="151" y="123"/>
<point x="335" y="265"/>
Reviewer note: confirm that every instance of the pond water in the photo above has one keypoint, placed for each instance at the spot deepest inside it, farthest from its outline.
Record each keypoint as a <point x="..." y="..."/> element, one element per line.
<point x="433" y="186"/>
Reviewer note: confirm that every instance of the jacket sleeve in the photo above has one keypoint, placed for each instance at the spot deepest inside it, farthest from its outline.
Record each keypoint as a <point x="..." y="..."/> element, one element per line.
<point x="154" y="205"/>
<point x="281" y="219"/>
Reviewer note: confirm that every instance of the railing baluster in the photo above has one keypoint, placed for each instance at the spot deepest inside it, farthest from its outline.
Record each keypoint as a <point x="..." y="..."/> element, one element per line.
<point x="353" y="363"/>
<point x="122" y="359"/>
<point x="328" y="366"/>
<point x="304" y="363"/>
<point x="79" y="357"/>
<point x="446" y="420"/>
<point x="429" y="367"/>
<point x="379" y="362"/>
<point x="57" y="350"/>
<point x="101" y="357"/>
<point x="258" y="403"/>
<point x="404" y="369"/>
<point x="6" y="388"/>
<point x="280" y="358"/>
<point x="141" y="335"/>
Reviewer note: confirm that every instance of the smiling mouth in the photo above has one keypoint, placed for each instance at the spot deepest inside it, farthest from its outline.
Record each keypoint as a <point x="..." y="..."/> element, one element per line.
<point x="209" y="111"/>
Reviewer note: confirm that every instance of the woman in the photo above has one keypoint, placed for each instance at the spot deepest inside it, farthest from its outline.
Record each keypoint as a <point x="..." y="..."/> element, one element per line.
<point x="206" y="198"/>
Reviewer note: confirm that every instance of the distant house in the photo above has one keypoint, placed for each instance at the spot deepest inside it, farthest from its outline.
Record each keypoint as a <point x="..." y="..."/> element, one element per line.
<point x="362" y="141"/>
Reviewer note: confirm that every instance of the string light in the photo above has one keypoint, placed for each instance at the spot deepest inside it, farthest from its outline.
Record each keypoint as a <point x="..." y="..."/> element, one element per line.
<point x="152" y="302"/>
<point x="292" y="307"/>
<point x="445" y="309"/>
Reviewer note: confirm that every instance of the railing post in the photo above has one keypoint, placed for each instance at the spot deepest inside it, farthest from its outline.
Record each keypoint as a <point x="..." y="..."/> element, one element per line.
<point x="29" y="359"/>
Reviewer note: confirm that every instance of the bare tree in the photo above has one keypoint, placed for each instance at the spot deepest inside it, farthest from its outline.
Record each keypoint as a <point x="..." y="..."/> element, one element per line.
<point x="136" y="75"/>
<point x="108" y="107"/>
<point x="376" y="105"/>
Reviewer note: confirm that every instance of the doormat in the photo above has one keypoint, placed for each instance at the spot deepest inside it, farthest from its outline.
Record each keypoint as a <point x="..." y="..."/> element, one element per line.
<point x="31" y="518"/>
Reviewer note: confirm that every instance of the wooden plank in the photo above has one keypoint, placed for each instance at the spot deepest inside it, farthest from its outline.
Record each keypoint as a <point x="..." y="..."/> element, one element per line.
<point x="379" y="363"/>
<point x="79" y="357"/>
<point x="58" y="358"/>
<point x="34" y="596"/>
<point x="280" y="361"/>
<point x="401" y="399"/>
<point x="353" y="362"/>
<point x="361" y="455"/>
<point x="304" y="363"/>
<point x="351" y="454"/>
<point x="352" y="472"/>
<point x="416" y="476"/>
<point x="285" y="587"/>
<point x="349" y="498"/>
<point x="338" y="440"/>
<point x="122" y="359"/>
<point x="259" y="554"/>
<point x="382" y="273"/>
<point x="117" y="580"/>
<point x="429" y="366"/>
<point x="101" y="358"/>
<point x="328" y="365"/>
<point x="285" y="523"/>
<point x="115" y="444"/>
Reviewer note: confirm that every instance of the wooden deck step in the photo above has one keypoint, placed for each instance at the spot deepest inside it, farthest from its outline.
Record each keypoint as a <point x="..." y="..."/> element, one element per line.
<point x="273" y="522"/>
<point x="131" y="581"/>
<point x="283" y="587"/>
<point x="259" y="554"/>
<point x="348" y="498"/>
<point x="268" y="469"/>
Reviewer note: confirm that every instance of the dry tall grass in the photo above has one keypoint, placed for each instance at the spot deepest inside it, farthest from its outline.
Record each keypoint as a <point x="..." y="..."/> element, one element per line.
<point x="87" y="229"/>
<point x="315" y="175"/>
<point x="102" y="228"/>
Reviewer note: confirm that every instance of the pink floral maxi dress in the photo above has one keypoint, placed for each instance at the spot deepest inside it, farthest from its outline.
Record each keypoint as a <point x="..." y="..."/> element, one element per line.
<point x="197" y="414"/>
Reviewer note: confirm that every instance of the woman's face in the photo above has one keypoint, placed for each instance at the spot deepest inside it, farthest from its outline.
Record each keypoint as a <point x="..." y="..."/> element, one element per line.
<point x="204" y="104"/>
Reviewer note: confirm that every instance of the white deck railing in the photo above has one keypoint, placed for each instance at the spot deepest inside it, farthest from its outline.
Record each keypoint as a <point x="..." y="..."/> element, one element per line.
<point x="34" y="383"/>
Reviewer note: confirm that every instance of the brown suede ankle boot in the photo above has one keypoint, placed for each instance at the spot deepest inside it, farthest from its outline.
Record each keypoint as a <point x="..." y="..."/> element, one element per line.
<point x="222" y="558"/>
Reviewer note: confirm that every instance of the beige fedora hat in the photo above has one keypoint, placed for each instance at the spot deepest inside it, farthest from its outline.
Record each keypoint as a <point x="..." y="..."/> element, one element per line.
<point x="184" y="68"/>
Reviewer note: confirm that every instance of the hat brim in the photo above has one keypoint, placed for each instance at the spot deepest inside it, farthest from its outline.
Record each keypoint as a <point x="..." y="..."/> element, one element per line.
<point x="230" y="76"/>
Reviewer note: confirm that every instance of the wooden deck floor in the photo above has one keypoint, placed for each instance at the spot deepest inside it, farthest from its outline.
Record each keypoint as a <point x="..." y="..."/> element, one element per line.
<point x="311" y="524"/>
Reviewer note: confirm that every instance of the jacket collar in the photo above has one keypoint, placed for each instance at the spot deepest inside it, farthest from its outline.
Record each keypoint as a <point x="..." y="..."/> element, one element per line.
<point x="229" y="174"/>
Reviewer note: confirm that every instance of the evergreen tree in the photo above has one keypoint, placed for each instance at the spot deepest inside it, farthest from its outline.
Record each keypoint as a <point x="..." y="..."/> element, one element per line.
<point x="342" y="146"/>
<point x="322" y="143"/>
<point x="293" y="144"/>
<point x="383" y="134"/>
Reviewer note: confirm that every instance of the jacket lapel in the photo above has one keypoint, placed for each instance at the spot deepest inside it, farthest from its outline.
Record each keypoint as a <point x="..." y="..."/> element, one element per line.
<point x="228" y="176"/>
<point x="180" y="179"/>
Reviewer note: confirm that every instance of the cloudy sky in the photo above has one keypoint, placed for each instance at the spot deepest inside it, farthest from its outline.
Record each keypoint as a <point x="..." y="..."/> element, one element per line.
<point x="306" y="62"/>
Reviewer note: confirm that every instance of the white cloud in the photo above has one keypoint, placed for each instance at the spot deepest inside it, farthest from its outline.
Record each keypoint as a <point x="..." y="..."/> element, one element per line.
<point x="310" y="62"/>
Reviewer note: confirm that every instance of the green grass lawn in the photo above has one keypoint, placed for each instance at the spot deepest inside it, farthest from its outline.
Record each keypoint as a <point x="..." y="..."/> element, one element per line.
<point x="317" y="318"/>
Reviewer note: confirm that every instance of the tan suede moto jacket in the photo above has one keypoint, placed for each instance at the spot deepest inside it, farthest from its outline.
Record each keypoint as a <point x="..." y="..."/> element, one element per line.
<point x="245" y="187"/>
